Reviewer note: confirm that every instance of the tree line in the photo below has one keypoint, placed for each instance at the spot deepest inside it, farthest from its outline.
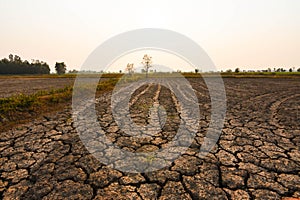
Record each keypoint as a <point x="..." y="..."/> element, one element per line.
<point x="15" y="65"/>
<point x="237" y="70"/>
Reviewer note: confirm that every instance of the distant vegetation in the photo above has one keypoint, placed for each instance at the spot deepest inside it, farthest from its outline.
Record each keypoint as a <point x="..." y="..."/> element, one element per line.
<point x="15" y="65"/>
<point x="60" y="68"/>
<point x="280" y="69"/>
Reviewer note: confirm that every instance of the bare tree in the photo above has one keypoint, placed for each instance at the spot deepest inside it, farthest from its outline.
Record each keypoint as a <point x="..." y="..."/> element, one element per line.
<point x="147" y="61"/>
<point x="129" y="68"/>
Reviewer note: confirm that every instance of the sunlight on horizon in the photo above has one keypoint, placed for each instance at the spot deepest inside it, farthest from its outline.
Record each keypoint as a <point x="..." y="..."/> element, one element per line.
<point x="234" y="33"/>
<point x="162" y="61"/>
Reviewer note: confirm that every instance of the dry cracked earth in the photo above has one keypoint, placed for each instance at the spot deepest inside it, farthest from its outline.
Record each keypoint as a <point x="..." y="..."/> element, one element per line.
<point x="256" y="157"/>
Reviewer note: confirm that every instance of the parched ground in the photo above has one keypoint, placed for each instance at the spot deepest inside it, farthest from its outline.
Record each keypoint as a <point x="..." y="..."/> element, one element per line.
<point x="256" y="157"/>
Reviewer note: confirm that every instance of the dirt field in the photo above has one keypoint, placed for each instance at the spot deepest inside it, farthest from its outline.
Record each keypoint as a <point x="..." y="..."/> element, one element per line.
<point x="256" y="157"/>
<point x="28" y="85"/>
<point x="13" y="86"/>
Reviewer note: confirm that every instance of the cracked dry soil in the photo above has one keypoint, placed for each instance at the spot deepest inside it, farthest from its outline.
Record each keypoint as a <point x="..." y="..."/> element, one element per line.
<point x="256" y="157"/>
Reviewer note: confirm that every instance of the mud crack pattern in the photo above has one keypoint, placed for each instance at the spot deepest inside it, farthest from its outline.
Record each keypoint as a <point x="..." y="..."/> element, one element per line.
<point x="256" y="157"/>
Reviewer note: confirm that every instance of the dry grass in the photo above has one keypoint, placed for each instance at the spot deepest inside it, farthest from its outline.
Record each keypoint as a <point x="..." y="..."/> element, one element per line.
<point x="21" y="108"/>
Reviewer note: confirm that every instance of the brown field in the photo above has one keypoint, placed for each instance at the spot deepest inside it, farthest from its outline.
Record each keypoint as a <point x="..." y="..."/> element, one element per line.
<point x="30" y="85"/>
<point x="256" y="157"/>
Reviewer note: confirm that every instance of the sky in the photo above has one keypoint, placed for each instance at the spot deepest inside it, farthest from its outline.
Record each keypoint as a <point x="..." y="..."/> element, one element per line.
<point x="254" y="34"/>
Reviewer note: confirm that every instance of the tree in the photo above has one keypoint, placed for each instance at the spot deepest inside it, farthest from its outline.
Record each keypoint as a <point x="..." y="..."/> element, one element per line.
<point x="290" y="70"/>
<point x="60" y="68"/>
<point x="237" y="70"/>
<point x="196" y="71"/>
<point x="298" y="70"/>
<point x="280" y="70"/>
<point x="17" y="59"/>
<point x="11" y="57"/>
<point x="129" y="68"/>
<point x="74" y="71"/>
<point x="15" y="65"/>
<point x="147" y="61"/>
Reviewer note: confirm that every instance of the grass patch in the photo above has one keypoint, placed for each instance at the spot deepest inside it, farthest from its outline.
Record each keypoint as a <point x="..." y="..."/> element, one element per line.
<point x="38" y="76"/>
<point x="244" y="75"/>
<point x="261" y="75"/>
<point x="17" y="107"/>
<point x="107" y="85"/>
<point x="22" y="108"/>
<point x="96" y="75"/>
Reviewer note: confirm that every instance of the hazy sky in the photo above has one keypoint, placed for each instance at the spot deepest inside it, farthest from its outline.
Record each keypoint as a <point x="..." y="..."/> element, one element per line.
<point x="235" y="33"/>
